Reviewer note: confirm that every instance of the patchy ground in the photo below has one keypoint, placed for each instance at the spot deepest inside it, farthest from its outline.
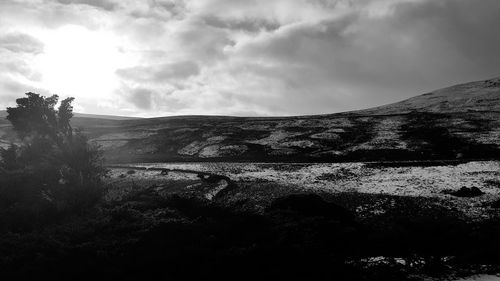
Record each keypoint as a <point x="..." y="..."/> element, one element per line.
<point x="436" y="182"/>
<point x="460" y="122"/>
<point x="415" y="220"/>
<point x="326" y="138"/>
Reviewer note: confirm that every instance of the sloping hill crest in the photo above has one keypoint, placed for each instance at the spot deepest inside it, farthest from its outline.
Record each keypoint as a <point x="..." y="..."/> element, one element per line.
<point x="459" y="122"/>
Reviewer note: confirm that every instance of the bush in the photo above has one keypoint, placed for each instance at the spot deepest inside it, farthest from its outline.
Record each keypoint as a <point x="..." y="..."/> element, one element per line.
<point x="54" y="171"/>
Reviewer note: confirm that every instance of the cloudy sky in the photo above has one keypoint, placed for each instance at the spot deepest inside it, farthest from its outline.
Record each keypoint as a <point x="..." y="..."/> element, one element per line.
<point x="243" y="57"/>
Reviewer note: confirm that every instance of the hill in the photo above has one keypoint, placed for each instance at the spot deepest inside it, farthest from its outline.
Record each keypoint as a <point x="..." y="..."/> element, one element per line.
<point x="459" y="122"/>
<point x="474" y="96"/>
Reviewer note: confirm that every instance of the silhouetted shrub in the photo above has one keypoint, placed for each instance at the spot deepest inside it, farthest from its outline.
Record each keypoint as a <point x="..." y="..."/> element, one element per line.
<point x="53" y="171"/>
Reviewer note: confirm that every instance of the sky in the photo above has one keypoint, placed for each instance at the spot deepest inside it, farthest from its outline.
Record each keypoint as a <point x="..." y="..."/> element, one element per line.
<point x="242" y="57"/>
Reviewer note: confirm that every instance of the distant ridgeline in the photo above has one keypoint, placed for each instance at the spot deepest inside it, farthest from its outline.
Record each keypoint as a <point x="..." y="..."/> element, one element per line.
<point x="461" y="122"/>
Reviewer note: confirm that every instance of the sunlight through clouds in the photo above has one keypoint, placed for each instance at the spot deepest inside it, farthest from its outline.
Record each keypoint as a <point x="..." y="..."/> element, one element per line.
<point x="243" y="57"/>
<point x="80" y="62"/>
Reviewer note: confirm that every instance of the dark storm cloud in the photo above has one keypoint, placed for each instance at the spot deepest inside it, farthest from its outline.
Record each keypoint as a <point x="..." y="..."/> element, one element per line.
<point x="20" y="43"/>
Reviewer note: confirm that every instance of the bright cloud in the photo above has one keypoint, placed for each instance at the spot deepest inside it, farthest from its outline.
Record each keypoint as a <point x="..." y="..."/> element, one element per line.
<point x="242" y="57"/>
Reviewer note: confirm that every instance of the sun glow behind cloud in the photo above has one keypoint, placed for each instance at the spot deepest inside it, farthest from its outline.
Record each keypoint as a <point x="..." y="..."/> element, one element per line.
<point x="242" y="57"/>
<point x="80" y="62"/>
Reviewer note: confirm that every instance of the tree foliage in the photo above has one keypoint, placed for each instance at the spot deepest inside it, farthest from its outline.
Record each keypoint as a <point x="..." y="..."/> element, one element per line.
<point x="52" y="166"/>
<point x="35" y="115"/>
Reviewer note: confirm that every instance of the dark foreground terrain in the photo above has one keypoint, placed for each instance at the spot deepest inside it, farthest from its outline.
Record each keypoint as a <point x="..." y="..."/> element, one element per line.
<point x="167" y="228"/>
<point x="420" y="209"/>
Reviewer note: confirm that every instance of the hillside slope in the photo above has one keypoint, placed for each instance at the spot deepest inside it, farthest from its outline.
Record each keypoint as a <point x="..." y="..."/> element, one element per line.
<point x="460" y="122"/>
<point x="474" y="96"/>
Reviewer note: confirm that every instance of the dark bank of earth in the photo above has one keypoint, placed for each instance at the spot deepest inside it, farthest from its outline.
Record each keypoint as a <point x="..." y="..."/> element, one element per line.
<point x="466" y="192"/>
<point x="295" y="237"/>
